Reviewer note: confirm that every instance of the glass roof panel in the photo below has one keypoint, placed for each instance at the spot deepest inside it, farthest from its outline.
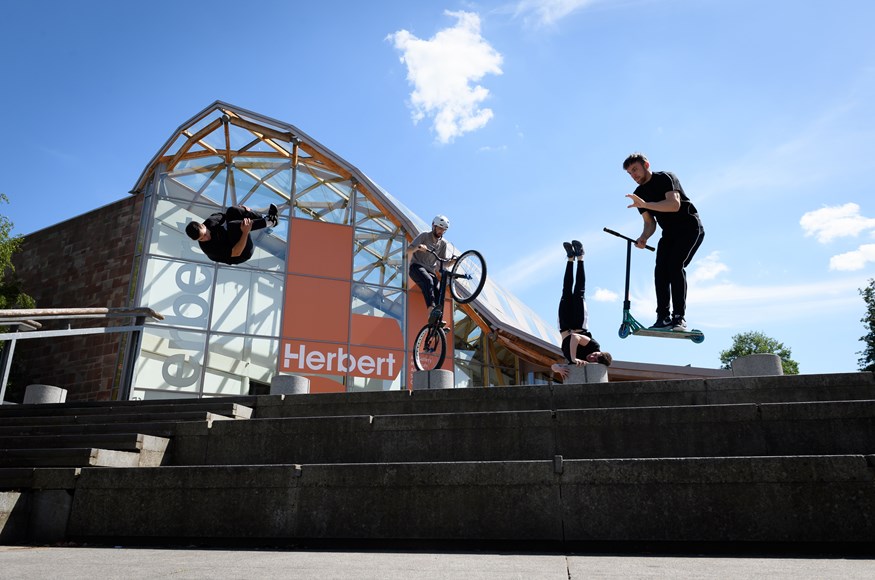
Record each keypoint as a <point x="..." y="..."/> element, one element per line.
<point x="197" y="178"/>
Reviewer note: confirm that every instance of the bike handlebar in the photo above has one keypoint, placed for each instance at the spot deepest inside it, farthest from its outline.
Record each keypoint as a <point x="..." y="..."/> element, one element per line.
<point x="619" y="235"/>
<point x="435" y="254"/>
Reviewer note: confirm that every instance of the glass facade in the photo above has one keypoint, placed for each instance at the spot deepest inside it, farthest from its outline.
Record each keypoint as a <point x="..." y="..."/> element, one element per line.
<point x="332" y="294"/>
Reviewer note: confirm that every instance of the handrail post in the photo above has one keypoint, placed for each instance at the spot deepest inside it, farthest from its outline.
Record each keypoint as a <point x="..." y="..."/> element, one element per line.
<point x="134" y="342"/>
<point x="6" y="365"/>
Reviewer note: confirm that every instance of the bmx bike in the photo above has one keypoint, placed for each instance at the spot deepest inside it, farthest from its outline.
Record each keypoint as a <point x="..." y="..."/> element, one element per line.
<point x="632" y="326"/>
<point x="465" y="280"/>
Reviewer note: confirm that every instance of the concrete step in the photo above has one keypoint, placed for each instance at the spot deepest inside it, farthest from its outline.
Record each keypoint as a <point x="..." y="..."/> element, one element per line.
<point x="822" y="428"/>
<point x="754" y="499"/>
<point x="229" y="409"/>
<point x="67" y="457"/>
<point x="17" y="478"/>
<point x="150" y="449"/>
<point x="154" y="428"/>
<point x="787" y="388"/>
<point x="132" y="417"/>
<point x="244" y="400"/>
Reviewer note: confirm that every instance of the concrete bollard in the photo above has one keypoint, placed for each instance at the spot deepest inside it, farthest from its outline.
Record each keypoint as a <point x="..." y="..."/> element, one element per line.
<point x="289" y="385"/>
<point x="589" y="373"/>
<point x="757" y="365"/>
<point x="436" y="379"/>
<point x="41" y="394"/>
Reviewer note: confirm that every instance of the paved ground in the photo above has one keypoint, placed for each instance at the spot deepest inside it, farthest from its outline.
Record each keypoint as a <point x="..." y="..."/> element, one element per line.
<point x="45" y="563"/>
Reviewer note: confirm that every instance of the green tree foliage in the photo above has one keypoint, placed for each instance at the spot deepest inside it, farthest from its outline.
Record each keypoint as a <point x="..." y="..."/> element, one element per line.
<point x="758" y="343"/>
<point x="867" y="358"/>
<point x="11" y="295"/>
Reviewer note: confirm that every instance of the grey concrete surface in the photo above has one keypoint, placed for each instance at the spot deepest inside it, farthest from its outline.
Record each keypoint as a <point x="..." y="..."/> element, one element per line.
<point x="591" y="373"/>
<point x="822" y="428"/>
<point x="764" y="499"/>
<point x="40" y="394"/>
<point x="755" y="365"/>
<point x="433" y="379"/>
<point x="730" y="390"/>
<point x="73" y="563"/>
<point x="289" y="385"/>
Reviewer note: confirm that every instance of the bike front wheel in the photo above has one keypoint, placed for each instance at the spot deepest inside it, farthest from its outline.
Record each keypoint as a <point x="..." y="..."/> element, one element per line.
<point x="429" y="348"/>
<point x="468" y="276"/>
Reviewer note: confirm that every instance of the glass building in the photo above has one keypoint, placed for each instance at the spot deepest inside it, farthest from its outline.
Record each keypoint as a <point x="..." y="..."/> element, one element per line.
<point x="326" y="293"/>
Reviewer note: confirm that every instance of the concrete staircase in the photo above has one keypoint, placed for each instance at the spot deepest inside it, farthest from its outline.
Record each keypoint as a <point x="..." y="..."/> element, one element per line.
<point x="738" y="461"/>
<point x="43" y="449"/>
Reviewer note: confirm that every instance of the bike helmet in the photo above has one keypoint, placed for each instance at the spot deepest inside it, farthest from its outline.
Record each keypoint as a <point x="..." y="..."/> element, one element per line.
<point x="441" y="221"/>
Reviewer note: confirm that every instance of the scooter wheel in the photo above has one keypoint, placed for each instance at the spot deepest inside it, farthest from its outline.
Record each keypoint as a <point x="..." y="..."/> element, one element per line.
<point x="624" y="330"/>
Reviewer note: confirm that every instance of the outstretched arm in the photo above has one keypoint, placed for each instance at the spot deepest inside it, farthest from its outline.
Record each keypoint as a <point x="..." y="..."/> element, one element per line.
<point x="670" y="204"/>
<point x="561" y="370"/>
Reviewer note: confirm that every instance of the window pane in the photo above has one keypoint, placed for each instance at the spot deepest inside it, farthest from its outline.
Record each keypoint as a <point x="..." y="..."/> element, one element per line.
<point x="178" y="290"/>
<point x="169" y="359"/>
<point x="378" y="258"/>
<point x="376" y="301"/>
<point x="168" y="229"/>
<point x="239" y="365"/>
<point x="321" y="195"/>
<point x="201" y="179"/>
<point x="467" y="373"/>
<point x="247" y="302"/>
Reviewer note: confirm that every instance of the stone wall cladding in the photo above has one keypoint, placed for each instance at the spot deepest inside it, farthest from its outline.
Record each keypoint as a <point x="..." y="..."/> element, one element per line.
<point x="83" y="262"/>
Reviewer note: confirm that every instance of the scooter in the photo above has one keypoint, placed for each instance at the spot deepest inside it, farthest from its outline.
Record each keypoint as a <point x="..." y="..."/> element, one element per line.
<point x="632" y="326"/>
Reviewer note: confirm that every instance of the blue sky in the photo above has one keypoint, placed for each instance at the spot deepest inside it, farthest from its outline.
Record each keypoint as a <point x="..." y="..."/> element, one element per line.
<point x="513" y="118"/>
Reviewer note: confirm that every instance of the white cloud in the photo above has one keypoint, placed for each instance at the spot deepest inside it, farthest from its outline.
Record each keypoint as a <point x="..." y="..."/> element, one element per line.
<point x="731" y="305"/>
<point x="855" y="260"/>
<point x="442" y="71"/>
<point x="829" y="223"/>
<point x="548" y="12"/>
<point x="707" y="268"/>
<point x="603" y="295"/>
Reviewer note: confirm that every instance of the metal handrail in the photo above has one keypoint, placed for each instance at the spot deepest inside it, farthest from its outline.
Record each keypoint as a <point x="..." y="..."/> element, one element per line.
<point x="26" y="327"/>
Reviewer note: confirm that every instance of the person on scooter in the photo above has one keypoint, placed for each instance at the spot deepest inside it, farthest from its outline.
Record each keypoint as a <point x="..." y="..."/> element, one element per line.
<point x="661" y="200"/>
<point x="578" y="345"/>
<point x="424" y="265"/>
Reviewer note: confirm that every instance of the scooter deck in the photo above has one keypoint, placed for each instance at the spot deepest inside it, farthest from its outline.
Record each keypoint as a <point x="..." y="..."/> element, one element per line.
<point x="694" y="334"/>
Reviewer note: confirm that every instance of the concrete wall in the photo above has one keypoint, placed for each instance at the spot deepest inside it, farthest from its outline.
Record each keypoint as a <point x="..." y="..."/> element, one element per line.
<point x="755" y="499"/>
<point x="82" y="262"/>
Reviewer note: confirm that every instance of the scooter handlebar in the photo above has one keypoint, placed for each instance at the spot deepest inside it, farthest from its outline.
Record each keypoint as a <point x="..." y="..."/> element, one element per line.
<point x="628" y="239"/>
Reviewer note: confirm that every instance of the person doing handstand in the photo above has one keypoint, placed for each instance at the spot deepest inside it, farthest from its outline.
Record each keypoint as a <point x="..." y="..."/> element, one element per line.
<point x="578" y="345"/>
<point x="224" y="237"/>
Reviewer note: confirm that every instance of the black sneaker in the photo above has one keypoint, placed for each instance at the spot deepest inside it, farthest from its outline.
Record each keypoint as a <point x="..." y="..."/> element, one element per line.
<point x="569" y="250"/>
<point x="435" y="315"/>
<point x="578" y="248"/>
<point x="663" y="323"/>
<point x="272" y="218"/>
<point x="678" y="323"/>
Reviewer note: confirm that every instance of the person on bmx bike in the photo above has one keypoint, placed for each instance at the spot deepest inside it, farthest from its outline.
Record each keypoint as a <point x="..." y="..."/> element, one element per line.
<point x="424" y="265"/>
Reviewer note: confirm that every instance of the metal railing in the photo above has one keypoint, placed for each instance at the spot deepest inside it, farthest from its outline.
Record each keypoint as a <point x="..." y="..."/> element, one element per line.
<point x="27" y="326"/>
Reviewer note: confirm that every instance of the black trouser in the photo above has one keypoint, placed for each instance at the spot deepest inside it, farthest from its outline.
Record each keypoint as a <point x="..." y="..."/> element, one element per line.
<point x="427" y="281"/>
<point x="673" y="254"/>
<point x="572" y="306"/>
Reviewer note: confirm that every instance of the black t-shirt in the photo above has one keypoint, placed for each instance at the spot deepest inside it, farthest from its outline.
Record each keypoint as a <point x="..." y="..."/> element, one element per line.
<point x="685" y="219"/>
<point x="582" y="350"/>
<point x="223" y="236"/>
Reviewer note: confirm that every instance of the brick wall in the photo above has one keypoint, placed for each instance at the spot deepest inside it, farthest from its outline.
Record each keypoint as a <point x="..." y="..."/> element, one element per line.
<point x="83" y="262"/>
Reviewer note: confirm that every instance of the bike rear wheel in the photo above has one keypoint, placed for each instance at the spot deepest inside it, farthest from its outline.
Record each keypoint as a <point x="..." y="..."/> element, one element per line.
<point x="468" y="276"/>
<point x="429" y="348"/>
